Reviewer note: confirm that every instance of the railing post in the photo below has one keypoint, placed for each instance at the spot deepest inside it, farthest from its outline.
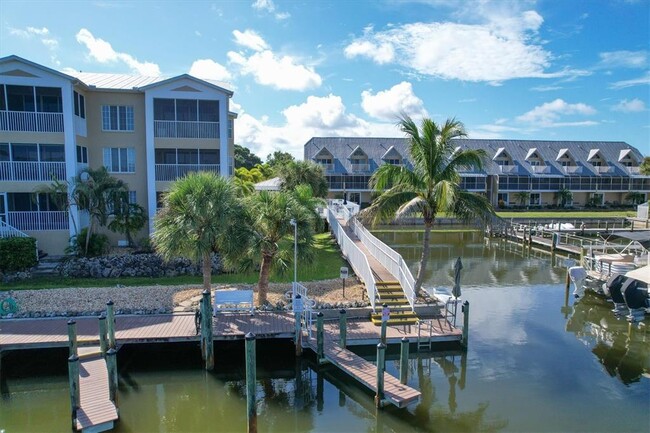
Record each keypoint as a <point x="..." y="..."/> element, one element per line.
<point x="343" y="328"/>
<point x="110" y="324"/>
<point x="206" y="330"/>
<point x="404" y="361"/>
<point x="111" y="366"/>
<point x="381" y="352"/>
<point x="320" y="336"/>
<point x="73" y="379"/>
<point x="465" y="339"/>
<point x="103" y="342"/>
<point x="72" y="337"/>
<point x="251" y="383"/>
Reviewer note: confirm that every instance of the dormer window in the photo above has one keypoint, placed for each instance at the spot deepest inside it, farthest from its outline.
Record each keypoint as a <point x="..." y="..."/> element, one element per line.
<point x="566" y="160"/>
<point x="392" y="157"/>
<point x="325" y="159"/>
<point x="534" y="159"/>
<point x="359" y="160"/>
<point x="596" y="158"/>
<point x="501" y="157"/>
<point x="627" y="158"/>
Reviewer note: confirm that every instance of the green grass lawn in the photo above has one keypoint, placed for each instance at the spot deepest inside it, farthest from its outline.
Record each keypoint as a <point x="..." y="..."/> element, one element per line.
<point x="326" y="265"/>
<point x="568" y="214"/>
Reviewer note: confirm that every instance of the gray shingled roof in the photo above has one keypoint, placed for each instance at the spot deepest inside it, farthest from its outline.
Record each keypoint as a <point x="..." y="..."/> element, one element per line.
<point x="548" y="151"/>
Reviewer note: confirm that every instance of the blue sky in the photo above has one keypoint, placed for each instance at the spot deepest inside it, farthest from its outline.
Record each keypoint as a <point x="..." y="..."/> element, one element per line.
<point x="548" y="69"/>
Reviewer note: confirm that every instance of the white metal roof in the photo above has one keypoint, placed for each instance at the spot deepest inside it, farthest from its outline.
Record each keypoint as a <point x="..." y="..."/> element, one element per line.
<point x="130" y="82"/>
<point x="269" y="185"/>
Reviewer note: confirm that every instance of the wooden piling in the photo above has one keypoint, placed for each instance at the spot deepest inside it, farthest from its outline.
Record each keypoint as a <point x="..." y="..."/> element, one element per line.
<point x="381" y="365"/>
<point x="385" y="316"/>
<point x="103" y="341"/>
<point x="206" y="330"/>
<point x="251" y="383"/>
<point x="72" y="337"/>
<point x="111" y="366"/>
<point x="297" y="310"/>
<point x="404" y="361"/>
<point x="567" y="286"/>
<point x="320" y="337"/>
<point x="73" y="379"/>
<point x="110" y="324"/>
<point x="465" y="339"/>
<point x="343" y="328"/>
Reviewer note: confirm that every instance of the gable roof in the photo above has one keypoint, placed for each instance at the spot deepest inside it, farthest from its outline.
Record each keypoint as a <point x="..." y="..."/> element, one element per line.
<point x="391" y="153"/>
<point x="14" y="58"/>
<point x="498" y="153"/>
<point x="532" y="151"/>
<point x="140" y="82"/>
<point x="358" y="151"/>
<point x="593" y="153"/>
<point x="564" y="152"/>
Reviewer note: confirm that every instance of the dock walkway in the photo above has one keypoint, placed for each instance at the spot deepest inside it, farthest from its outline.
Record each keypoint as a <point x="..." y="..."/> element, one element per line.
<point x="380" y="272"/>
<point x="96" y="412"/>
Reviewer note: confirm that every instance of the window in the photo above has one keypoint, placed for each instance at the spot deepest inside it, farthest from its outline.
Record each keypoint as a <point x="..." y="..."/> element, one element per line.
<point x="164" y="109"/>
<point x="117" y="118"/>
<point x="20" y="98"/>
<point x="535" y="199"/>
<point x="82" y="155"/>
<point x="208" y="111"/>
<point x="33" y="99"/>
<point x="52" y="152"/>
<point x="208" y="156"/>
<point x="231" y="128"/>
<point x="393" y="161"/>
<point x="185" y="110"/>
<point x="3" y="102"/>
<point x="79" y="105"/>
<point x="4" y="152"/>
<point x="131" y="198"/>
<point x="48" y="100"/>
<point x="24" y="152"/>
<point x="187" y="156"/>
<point x="119" y="159"/>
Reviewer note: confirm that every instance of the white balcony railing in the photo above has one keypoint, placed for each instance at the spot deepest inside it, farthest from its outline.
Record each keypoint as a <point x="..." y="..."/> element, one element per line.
<point x="634" y="171"/>
<point x="31" y="171"/>
<point x="169" y="172"/>
<point x="363" y="167"/>
<point x="29" y="121"/>
<point x="508" y="169"/>
<point x="572" y="169"/>
<point x="327" y="168"/>
<point x="38" y="221"/>
<point x="540" y="169"/>
<point x="603" y="169"/>
<point x="174" y="129"/>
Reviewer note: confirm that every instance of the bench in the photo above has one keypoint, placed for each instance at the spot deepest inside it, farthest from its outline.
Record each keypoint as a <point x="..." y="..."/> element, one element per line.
<point x="233" y="300"/>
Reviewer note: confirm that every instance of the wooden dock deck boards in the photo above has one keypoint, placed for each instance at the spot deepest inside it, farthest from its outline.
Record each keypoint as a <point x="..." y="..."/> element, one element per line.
<point x="379" y="270"/>
<point x="96" y="408"/>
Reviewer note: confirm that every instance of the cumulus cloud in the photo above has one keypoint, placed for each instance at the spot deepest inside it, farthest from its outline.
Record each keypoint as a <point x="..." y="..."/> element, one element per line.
<point x="548" y="114"/>
<point x="624" y="59"/>
<point x="209" y="69"/>
<point x="269" y="6"/>
<point x="42" y="34"/>
<point x="391" y="103"/>
<point x="103" y="52"/>
<point x="633" y="106"/>
<point x="378" y="52"/>
<point x="250" y="39"/>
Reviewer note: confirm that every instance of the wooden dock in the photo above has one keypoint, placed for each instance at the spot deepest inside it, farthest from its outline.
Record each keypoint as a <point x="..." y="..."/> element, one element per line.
<point x="97" y="412"/>
<point x="544" y="242"/>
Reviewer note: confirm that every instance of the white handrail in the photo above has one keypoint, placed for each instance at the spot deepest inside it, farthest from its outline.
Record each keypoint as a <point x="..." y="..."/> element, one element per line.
<point x="8" y="231"/>
<point x="307" y="307"/>
<point x="389" y="258"/>
<point x="355" y="257"/>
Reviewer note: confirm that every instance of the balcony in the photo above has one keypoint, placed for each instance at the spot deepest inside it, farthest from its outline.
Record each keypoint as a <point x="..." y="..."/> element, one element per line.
<point x="327" y="168"/>
<point x="633" y="171"/>
<point x="170" y="172"/>
<point x="603" y="169"/>
<point x="360" y="168"/>
<point x="38" y="221"/>
<point x="29" y="121"/>
<point x="540" y="169"/>
<point x="510" y="169"/>
<point x="572" y="169"/>
<point x="179" y="129"/>
<point x="31" y="171"/>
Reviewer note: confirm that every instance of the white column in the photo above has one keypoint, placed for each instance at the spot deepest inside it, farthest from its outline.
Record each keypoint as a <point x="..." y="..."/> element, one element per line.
<point x="150" y="158"/>
<point x="223" y="136"/>
<point x="70" y="148"/>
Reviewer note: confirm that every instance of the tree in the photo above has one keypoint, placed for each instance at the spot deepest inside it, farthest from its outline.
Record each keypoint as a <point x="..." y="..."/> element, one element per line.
<point x="271" y="214"/>
<point x="128" y="218"/>
<point x="200" y="215"/>
<point x="635" y="197"/>
<point x="304" y="172"/>
<point x="645" y="166"/>
<point x="523" y="197"/>
<point x="563" y="196"/>
<point x="245" y="158"/>
<point x="279" y="159"/>
<point x="432" y="186"/>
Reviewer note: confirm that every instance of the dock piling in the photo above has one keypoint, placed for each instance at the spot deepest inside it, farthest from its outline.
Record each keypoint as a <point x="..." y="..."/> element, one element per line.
<point x="111" y="366"/>
<point x="343" y="328"/>
<point x="567" y="286"/>
<point x="385" y="316"/>
<point x="404" y="361"/>
<point x="103" y="341"/>
<point x="297" y="310"/>
<point x="72" y="337"/>
<point x="110" y="324"/>
<point x="320" y="338"/>
<point x="251" y="383"/>
<point x="381" y="358"/>
<point x="73" y="379"/>
<point x="206" y="330"/>
<point x="465" y="339"/>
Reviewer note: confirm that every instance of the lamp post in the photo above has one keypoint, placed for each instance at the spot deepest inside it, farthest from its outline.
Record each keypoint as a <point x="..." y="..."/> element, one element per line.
<point x="295" y="257"/>
<point x="345" y="193"/>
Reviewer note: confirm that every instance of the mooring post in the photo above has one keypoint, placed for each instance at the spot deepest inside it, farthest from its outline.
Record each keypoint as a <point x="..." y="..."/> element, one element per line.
<point x="206" y="330"/>
<point x="103" y="341"/>
<point x="404" y="361"/>
<point x="381" y="353"/>
<point x="343" y="328"/>
<point x="73" y="378"/>
<point x="385" y="316"/>
<point x="110" y="324"/>
<point x="72" y="337"/>
<point x="465" y="339"/>
<point x="320" y="338"/>
<point x="297" y="310"/>
<point x="251" y="383"/>
<point x="111" y="366"/>
<point x="567" y="286"/>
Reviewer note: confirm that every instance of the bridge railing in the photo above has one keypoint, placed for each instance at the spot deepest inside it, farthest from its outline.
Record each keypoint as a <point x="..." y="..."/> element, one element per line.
<point x="389" y="258"/>
<point x="355" y="257"/>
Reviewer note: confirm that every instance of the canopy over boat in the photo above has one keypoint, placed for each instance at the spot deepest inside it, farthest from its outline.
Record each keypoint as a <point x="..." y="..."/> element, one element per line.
<point x="641" y="237"/>
<point x="641" y="274"/>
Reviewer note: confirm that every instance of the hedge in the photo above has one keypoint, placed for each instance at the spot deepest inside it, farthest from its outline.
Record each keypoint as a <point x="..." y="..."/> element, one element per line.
<point x="17" y="254"/>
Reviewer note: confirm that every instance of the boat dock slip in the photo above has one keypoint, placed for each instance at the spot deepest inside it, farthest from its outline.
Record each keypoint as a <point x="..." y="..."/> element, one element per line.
<point x="96" y="412"/>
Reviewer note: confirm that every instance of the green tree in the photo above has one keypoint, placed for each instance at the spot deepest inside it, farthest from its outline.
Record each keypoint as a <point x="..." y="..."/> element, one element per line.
<point x="304" y="172"/>
<point x="635" y="197"/>
<point x="563" y="196"/>
<point x="270" y="218"/>
<point x="645" y="166"/>
<point x="128" y="218"/>
<point x="245" y="158"/>
<point x="433" y="186"/>
<point x="279" y="159"/>
<point x="200" y="215"/>
<point x="523" y="197"/>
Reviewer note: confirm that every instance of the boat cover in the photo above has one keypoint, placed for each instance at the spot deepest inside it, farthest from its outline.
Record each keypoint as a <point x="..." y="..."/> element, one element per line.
<point x="641" y="237"/>
<point x="641" y="274"/>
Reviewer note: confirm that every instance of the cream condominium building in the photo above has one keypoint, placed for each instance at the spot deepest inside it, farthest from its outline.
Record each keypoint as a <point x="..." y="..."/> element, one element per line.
<point x="147" y="131"/>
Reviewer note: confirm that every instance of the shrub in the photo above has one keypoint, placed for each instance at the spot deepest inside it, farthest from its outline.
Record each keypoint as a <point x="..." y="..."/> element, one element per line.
<point x="97" y="246"/>
<point x="17" y="254"/>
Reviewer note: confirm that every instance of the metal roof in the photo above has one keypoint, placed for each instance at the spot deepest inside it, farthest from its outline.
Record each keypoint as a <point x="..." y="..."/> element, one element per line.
<point x="133" y="82"/>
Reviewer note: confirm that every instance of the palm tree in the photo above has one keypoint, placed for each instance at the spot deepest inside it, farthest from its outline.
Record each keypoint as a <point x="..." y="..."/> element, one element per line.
<point x="127" y="218"/>
<point x="433" y="186"/>
<point x="523" y="197"/>
<point x="645" y="166"/>
<point x="563" y="196"/>
<point x="271" y="214"/>
<point x="304" y="172"/>
<point x="200" y="215"/>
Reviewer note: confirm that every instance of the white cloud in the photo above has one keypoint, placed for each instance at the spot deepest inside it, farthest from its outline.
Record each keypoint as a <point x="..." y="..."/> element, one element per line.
<point x="624" y="59"/>
<point x="43" y="34"/>
<point x="250" y="39"/>
<point x="269" y="6"/>
<point x="643" y="80"/>
<point x="503" y="46"/>
<point x="548" y="114"/>
<point x="103" y="52"/>
<point x="281" y="72"/>
<point x="391" y="103"/>
<point x="208" y="68"/>
<point x="546" y="88"/>
<point x="633" y="106"/>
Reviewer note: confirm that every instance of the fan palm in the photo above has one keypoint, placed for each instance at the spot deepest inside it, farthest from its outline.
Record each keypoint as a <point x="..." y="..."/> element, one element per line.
<point x="200" y="215"/>
<point x="432" y="185"/>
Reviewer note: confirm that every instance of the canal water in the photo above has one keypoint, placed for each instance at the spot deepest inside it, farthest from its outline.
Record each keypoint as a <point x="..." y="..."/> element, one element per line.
<point x="534" y="364"/>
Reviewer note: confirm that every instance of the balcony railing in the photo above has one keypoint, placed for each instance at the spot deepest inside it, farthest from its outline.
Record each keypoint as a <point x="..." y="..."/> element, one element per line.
<point x="169" y="172"/>
<point x="603" y="169"/>
<point x="634" y="171"/>
<point x="29" y="121"/>
<point x="572" y="169"/>
<point x="32" y="171"/>
<point x="363" y="167"/>
<point x="540" y="169"/>
<point x="327" y="168"/>
<point x="508" y="169"/>
<point x="38" y="221"/>
<point x="174" y="129"/>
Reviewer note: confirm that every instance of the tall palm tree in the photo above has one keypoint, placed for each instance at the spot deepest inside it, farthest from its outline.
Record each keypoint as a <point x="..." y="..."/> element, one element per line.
<point x="432" y="186"/>
<point x="563" y="196"/>
<point x="271" y="214"/>
<point x="200" y="215"/>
